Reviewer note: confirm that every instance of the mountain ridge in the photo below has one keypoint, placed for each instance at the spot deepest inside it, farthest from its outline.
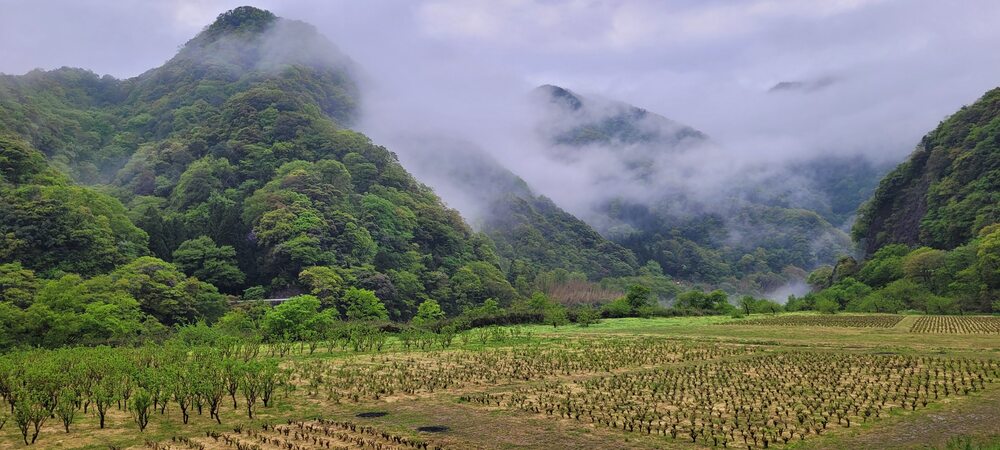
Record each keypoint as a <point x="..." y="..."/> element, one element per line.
<point x="248" y="150"/>
<point x="946" y="191"/>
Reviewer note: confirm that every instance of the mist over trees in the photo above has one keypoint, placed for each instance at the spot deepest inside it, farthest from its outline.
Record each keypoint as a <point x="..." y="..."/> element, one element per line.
<point x="233" y="160"/>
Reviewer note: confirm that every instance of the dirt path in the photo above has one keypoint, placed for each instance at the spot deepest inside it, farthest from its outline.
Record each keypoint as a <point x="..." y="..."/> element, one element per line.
<point x="906" y="323"/>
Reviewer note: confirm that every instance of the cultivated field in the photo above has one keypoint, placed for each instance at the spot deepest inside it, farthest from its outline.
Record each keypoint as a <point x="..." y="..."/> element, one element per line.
<point x="840" y="320"/>
<point x="957" y="325"/>
<point x="755" y="402"/>
<point x="788" y="381"/>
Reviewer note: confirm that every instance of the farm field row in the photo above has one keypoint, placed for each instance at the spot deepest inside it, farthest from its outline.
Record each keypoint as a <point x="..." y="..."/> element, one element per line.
<point x="917" y="324"/>
<point x="710" y="328"/>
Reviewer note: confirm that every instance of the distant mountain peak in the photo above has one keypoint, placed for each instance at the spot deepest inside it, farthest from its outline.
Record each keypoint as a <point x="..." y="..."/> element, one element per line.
<point x="577" y="120"/>
<point x="803" y="86"/>
<point x="248" y="44"/>
<point x="249" y="38"/>
<point x="241" y="20"/>
<point x="561" y="96"/>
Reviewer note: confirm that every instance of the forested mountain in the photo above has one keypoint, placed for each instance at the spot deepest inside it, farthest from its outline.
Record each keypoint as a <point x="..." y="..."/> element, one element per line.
<point x="232" y="170"/>
<point x="930" y="232"/>
<point x="748" y="236"/>
<point x="232" y="162"/>
<point x="532" y="234"/>
<point x="580" y="121"/>
<point x="947" y="191"/>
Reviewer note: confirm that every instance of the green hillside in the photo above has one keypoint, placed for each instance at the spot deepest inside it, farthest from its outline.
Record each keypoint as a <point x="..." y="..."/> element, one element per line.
<point x="947" y="191"/>
<point x="532" y="234"/>
<point x="930" y="231"/>
<point x="232" y="162"/>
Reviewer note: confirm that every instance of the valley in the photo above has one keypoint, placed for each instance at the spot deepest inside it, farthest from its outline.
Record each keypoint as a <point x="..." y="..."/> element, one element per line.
<point x="269" y="242"/>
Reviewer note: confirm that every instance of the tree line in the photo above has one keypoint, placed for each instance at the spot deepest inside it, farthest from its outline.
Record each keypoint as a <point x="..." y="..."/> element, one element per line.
<point x="39" y="386"/>
<point x="897" y="278"/>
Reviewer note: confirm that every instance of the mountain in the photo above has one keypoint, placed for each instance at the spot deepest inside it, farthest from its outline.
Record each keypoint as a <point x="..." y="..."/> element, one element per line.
<point x="803" y="86"/>
<point x="532" y="234"/>
<point x="235" y="152"/>
<point x="931" y="230"/>
<point x="742" y="233"/>
<point x="578" y="128"/>
<point x="947" y="191"/>
<point x="578" y="121"/>
<point x="234" y="163"/>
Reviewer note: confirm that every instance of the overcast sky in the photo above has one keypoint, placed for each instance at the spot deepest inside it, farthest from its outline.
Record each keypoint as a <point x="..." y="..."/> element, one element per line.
<point x="876" y="74"/>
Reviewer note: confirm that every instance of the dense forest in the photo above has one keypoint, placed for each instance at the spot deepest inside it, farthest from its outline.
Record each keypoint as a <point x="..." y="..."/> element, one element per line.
<point x="230" y="175"/>
<point x="227" y="171"/>
<point x="930" y="231"/>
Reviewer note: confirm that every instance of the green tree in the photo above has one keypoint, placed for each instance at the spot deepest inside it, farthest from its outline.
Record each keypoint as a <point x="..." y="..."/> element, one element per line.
<point x="718" y="301"/>
<point x="166" y="294"/>
<point x="767" y="306"/>
<point x="140" y="406"/>
<point x="821" y="277"/>
<point x="201" y="258"/>
<point x="17" y="284"/>
<point x="988" y="257"/>
<point x="846" y="267"/>
<point x="359" y="244"/>
<point x="66" y="407"/>
<point x="556" y="315"/>
<point x="884" y="267"/>
<point x="748" y="304"/>
<point x="475" y="282"/>
<point x="694" y="299"/>
<point x="637" y="297"/>
<point x="30" y="411"/>
<point x="428" y="312"/>
<point x="923" y="265"/>
<point x="392" y="224"/>
<point x="323" y="282"/>
<point x="51" y="228"/>
<point x="844" y="291"/>
<point x="827" y="306"/>
<point x="202" y="178"/>
<point x="617" y="308"/>
<point x="881" y="301"/>
<point x="362" y="304"/>
<point x="18" y="161"/>
<point x="941" y="305"/>
<point x="587" y="316"/>
<point x="906" y="292"/>
<point x="254" y="293"/>
<point x="296" y="319"/>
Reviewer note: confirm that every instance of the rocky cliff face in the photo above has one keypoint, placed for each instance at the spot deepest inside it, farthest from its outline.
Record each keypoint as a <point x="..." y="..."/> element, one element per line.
<point x="947" y="190"/>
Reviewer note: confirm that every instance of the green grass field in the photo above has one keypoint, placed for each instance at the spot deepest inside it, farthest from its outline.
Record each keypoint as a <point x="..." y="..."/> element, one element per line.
<point x="583" y="368"/>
